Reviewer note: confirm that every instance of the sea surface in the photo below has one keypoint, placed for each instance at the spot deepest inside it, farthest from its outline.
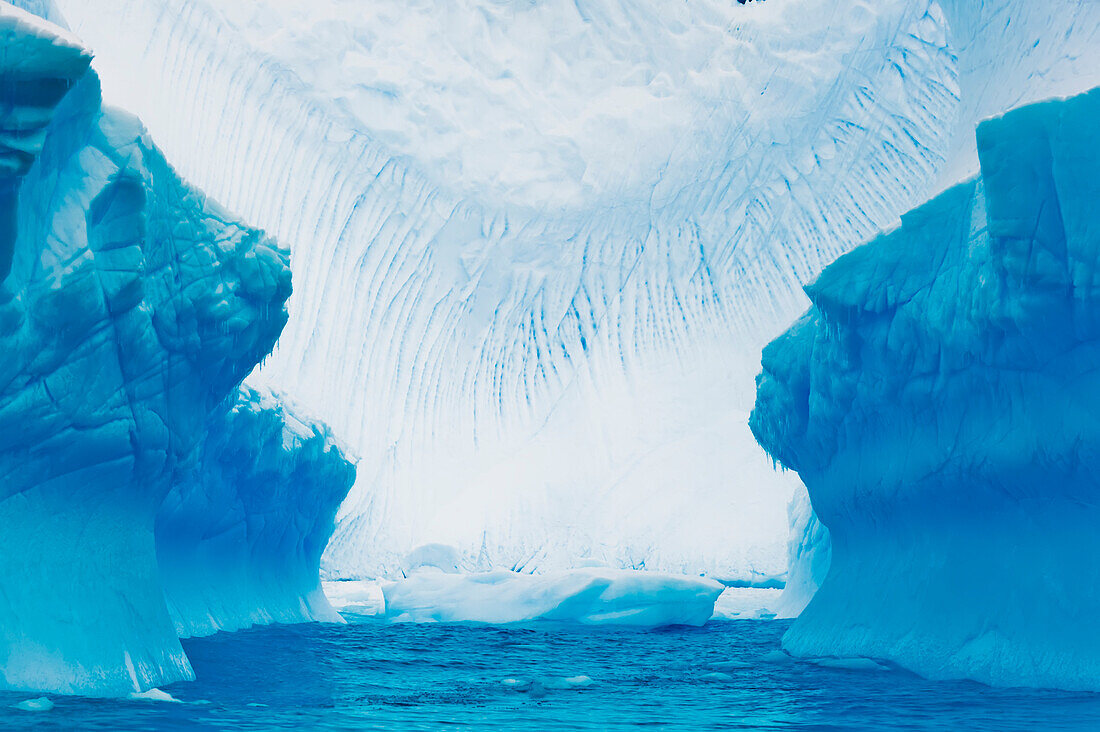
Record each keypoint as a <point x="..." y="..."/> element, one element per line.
<point x="371" y="675"/>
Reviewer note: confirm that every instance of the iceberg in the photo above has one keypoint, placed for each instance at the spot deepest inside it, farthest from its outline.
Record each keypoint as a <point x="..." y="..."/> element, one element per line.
<point x="809" y="554"/>
<point x="131" y="308"/>
<point x="939" y="400"/>
<point x="239" y="540"/>
<point x="588" y="596"/>
<point x="1009" y="53"/>
<point x="535" y="315"/>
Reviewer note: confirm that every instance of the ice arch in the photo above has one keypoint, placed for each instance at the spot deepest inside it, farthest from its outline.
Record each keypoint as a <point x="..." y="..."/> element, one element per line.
<point x="536" y="373"/>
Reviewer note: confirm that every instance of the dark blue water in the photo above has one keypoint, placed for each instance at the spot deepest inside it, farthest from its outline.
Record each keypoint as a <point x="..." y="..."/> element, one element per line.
<point x="372" y="675"/>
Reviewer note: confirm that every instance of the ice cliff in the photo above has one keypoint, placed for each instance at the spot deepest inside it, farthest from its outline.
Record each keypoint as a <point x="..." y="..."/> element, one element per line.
<point x="534" y="243"/>
<point x="239" y="540"/>
<point x="131" y="307"/>
<point x="940" y="401"/>
<point x="539" y="246"/>
<point x="1008" y="53"/>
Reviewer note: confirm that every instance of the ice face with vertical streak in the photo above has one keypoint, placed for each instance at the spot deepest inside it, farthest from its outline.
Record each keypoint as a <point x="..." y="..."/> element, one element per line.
<point x="534" y="243"/>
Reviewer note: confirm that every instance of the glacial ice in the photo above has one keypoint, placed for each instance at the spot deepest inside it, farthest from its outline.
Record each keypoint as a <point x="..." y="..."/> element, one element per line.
<point x="809" y="554"/>
<point x="940" y="402"/>
<point x="356" y="597"/>
<point x="239" y="540"/>
<point x="131" y="307"/>
<point x="538" y="340"/>
<point x="39" y="704"/>
<point x="1010" y="52"/>
<point x="541" y="343"/>
<point x="153" y="695"/>
<point x="589" y="596"/>
<point x="544" y="344"/>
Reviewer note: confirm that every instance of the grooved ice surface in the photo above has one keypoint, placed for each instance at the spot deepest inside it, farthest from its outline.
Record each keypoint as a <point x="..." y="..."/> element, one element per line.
<point x="940" y="400"/>
<point x="131" y="307"/>
<point x="536" y="245"/>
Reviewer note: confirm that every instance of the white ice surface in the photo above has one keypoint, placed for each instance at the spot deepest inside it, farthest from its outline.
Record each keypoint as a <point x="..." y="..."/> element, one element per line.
<point x="359" y="597"/>
<point x="588" y="596"/>
<point x="40" y="704"/>
<point x="540" y="364"/>
<point x="538" y="246"/>
<point x="153" y="695"/>
<point x="34" y="46"/>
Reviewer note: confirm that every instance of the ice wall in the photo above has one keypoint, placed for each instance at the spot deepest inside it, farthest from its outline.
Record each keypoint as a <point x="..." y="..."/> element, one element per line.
<point x="940" y="402"/>
<point x="239" y="539"/>
<point x="809" y="554"/>
<point x="535" y="243"/>
<point x="38" y="63"/>
<point x="1009" y="52"/>
<point x="131" y="308"/>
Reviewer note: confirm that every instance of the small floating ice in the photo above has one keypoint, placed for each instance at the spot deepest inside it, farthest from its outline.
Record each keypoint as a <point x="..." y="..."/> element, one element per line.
<point x="567" y="682"/>
<point x="776" y="657"/>
<point x="716" y="676"/>
<point x="589" y="596"/>
<point x="727" y="665"/>
<point x="746" y="603"/>
<point x="581" y="680"/>
<point x="361" y="597"/>
<point x="153" y="694"/>
<point x="41" y="704"/>
<point x="849" y="664"/>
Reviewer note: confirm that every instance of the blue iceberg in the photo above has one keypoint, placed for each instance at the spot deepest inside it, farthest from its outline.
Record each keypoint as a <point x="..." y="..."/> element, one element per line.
<point x="131" y="308"/>
<point x="239" y="541"/>
<point x="941" y="402"/>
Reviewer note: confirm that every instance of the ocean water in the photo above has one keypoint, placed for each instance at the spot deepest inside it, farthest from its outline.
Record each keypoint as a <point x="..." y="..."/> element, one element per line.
<point x="370" y="675"/>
